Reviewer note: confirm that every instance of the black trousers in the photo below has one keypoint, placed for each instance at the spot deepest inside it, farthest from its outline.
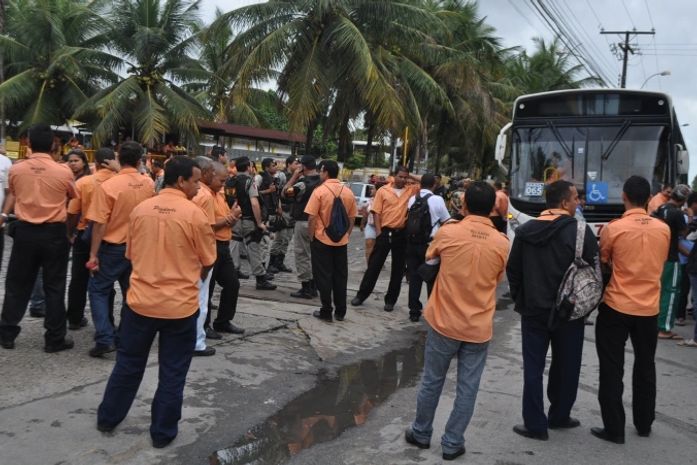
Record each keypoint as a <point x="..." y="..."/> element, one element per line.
<point x="225" y="274"/>
<point x="389" y="240"/>
<point x="36" y="246"/>
<point x="80" y="276"/>
<point x="684" y="293"/>
<point x="562" y="384"/>
<point x="612" y="329"/>
<point x="330" y="271"/>
<point x="416" y="256"/>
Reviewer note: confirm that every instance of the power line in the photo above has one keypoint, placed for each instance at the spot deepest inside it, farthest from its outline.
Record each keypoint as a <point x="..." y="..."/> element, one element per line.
<point x="631" y="20"/>
<point x="515" y="7"/>
<point x="653" y="38"/>
<point x="627" y="48"/>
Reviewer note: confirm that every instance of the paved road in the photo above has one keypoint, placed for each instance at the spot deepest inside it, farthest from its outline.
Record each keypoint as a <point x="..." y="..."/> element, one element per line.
<point x="299" y="391"/>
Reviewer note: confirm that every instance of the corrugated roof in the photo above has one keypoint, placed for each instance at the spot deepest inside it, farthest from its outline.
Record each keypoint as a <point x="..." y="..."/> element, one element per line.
<point x="238" y="130"/>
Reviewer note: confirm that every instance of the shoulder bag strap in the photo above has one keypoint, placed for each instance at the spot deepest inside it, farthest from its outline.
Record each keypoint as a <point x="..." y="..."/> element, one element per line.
<point x="580" y="237"/>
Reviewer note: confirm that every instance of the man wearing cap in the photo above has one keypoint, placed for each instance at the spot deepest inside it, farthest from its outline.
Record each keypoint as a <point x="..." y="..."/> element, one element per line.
<point x="298" y="189"/>
<point x="38" y="192"/>
<point x="671" y="213"/>
<point x="252" y="227"/>
<point x="284" y="233"/>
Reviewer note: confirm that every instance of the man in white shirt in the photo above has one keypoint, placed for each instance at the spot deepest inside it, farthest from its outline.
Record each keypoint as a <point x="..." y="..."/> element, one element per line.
<point x="5" y="164"/>
<point x="420" y="230"/>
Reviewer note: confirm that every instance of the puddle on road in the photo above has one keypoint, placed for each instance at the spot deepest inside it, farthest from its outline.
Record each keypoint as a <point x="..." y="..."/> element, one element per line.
<point x="323" y="413"/>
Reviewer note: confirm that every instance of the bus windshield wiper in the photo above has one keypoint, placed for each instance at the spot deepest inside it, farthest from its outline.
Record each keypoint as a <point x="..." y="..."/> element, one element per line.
<point x="562" y="142"/>
<point x="616" y="139"/>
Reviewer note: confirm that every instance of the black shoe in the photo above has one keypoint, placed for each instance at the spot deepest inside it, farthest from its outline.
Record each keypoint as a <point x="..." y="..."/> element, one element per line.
<point x="7" y="344"/>
<point x="339" y="316"/>
<point x="644" y="434"/>
<point x="605" y="436"/>
<point x="241" y="275"/>
<point x="100" y="349"/>
<point x="523" y="431"/>
<point x="414" y="317"/>
<point x="79" y="325"/>
<point x="105" y="428"/>
<point x="454" y="455"/>
<point x="160" y="443"/>
<point x="65" y="344"/>
<point x="570" y="423"/>
<point x="283" y="268"/>
<point x="356" y="301"/>
<point x="389" y="307"/>
<point x="207" y="352"/>
<point x="272" y="269"/>
<point x="37" y="313"/>
<point x="212" y="333"/>
<point x="263" y="284"/>
<point x="313" y="288"/>
<point x="321" y="316"/>
<point x="227" y="327"/>
<point x="409" y="437"/>
<point x="269" y="277"/>
<point x="305" y="291"/>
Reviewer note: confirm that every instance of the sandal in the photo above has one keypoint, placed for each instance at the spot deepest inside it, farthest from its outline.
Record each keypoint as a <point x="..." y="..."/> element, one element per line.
<point x="680" y="322"/>
<point x="669" y="335"/>
<point x="688" y="343"/>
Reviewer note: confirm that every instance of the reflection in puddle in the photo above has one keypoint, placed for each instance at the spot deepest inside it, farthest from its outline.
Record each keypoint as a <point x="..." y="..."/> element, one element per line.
<point x="327" y="410"/>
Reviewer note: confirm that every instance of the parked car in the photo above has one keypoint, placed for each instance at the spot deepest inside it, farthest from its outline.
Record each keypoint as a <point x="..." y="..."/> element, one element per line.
<point x="362" y="191"/>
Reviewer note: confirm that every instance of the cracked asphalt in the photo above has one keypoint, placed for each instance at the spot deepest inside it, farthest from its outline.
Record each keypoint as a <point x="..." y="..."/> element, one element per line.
<point x="48" y="401"/>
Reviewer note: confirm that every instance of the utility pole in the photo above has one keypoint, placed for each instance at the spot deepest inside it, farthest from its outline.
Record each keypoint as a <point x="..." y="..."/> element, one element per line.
<point x="627" y="48"/>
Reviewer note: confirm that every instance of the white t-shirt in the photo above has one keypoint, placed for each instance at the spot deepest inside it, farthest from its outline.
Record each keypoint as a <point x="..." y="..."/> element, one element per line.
<point x="436" y="206"/>
<point x="5" y="164"/>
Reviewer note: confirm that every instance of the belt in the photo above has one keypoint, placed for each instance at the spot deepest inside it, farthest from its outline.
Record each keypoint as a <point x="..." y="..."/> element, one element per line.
<point x="111" y="244"/>
<point x="221" y="243"/>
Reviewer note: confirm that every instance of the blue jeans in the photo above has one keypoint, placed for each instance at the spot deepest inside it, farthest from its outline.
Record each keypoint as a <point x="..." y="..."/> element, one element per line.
<point x="176" y="347"/>
<point x="113" y="267"/>
<point x="693" y="285"/>
<point x="471" y="358"/>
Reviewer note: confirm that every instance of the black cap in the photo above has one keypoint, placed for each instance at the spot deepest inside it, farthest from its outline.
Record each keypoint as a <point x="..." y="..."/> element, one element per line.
<point x="308" y="161"/>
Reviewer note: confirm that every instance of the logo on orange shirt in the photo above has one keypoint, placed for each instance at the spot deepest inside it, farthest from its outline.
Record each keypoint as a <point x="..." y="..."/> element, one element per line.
<point x="164" y="211"/>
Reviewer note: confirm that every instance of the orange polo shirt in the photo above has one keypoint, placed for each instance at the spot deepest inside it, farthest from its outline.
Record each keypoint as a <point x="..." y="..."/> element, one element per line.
<point x="222" y="210"/>
<point x="41" y="187"/>
<point x="115" y="199"/>
<point x="473" y="258"/>
<point x="320" y="205"/>
<point x="636" y="246"/>
<point x="392" y="207"/>
<point x="169" y="242"/>
<point x="84" y="190"/>
<point x="656" y="201"/>
<point x="501" y="205"/>
<point x="205" y="199"/>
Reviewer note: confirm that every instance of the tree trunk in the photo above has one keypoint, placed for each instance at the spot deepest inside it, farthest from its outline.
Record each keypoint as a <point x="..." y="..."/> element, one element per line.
<point x="369" y="144"/>
<point x="344" y="139"/>
<point x="309" y="136"/>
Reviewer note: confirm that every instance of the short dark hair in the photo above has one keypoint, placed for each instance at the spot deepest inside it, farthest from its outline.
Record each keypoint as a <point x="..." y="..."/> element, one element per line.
<point x="217" y="151"/>
<point x="290" y="160"/>
<point x="692" y="198"/>
<point x="158" y="163"/>
<point x="638" y="190"/>
<point x="130" y="153"/>
<point x="557" y="192"/>
<point x="428" y="181"/>
<point x="103" y="154"/>
<point x="266" y="162"/>
<point x="41" y="137"/>
<point x="179" y="165"/>
<point x="309" y="162"/>
<point x="400" y="169"/>
<point x="480" y="198"/>
<point x="498" y="185"/>
<point x="242" y="164"/>
<point x="331" y="167"/>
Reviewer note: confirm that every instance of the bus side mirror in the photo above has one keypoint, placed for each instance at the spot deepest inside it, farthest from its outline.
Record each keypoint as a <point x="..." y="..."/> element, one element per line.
<point x="683" y="159"/>
<point x="500" y="151"/>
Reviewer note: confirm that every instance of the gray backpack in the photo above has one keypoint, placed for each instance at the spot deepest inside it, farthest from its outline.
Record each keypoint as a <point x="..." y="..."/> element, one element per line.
<point x="581" y="287"/>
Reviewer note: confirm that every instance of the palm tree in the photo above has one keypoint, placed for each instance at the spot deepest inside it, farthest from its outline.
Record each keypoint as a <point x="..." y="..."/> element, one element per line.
<point x="155" y="39"/>
<point x="548" y="68"/>
<point x="338" y="54"/>
<point x="53" y="58"/>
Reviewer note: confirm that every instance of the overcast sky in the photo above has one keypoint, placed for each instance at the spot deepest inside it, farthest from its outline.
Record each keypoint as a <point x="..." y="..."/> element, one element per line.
<point x="673" y="47"/>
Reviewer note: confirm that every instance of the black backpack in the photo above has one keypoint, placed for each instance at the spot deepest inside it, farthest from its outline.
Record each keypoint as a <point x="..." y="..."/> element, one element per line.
<point x="419" y="225"/>
<point x="339" y="222"/>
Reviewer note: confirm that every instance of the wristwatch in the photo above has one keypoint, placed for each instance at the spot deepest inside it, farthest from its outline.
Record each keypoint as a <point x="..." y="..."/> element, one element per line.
<point x="4" y="215"/>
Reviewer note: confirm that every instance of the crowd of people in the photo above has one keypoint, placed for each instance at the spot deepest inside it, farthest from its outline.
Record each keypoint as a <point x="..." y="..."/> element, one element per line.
<point x="169" y="232"/>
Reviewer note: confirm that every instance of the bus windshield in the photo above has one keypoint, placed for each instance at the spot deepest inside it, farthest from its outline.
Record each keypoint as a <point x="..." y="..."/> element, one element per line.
<point x="598" y="159"/>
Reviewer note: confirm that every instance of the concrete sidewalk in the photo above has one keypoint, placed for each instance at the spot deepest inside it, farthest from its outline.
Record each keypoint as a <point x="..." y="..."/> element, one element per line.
<point x="293" y="390"/>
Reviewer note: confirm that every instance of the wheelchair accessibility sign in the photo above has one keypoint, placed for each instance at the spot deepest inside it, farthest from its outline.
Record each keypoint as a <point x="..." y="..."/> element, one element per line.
<point x="596" y="193"/>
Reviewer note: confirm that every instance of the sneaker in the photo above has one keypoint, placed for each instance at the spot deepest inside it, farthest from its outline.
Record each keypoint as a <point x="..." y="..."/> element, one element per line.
<point x="685" y="343"/>
<point x="99" y="350"/>
<point x="66" y="344"/>
<point x="454" y="455"/>
<point x="409" y="437"/>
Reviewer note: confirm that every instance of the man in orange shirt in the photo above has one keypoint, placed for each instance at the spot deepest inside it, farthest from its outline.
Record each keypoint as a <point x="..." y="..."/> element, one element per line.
<point x="499" y="213"/>
<point x="660" y="198"/>
<point x="224" y="272"/>
<point x="37" y="192"/>
<point x="460" y="313"/>
<point x="542" y="251"/>
<point x="172" y="248"/>
<point x="390" y="216"/>
<point x="630" y="310"/>
<point x="329" y="257"/>
<point x="80" y="232"/>
<point x="113" y="202"/>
